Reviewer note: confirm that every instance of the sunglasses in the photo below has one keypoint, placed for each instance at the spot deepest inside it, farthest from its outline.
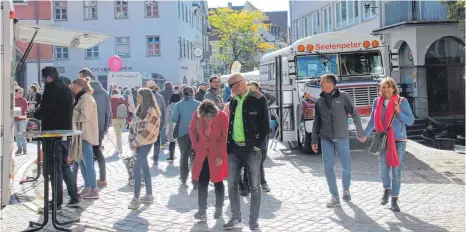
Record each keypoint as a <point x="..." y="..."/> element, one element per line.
<point x="233" y="84"/>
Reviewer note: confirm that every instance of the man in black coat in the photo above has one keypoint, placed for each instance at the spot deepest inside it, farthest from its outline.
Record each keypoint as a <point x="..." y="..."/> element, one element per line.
<point x="55" y="113"/>
<point x="247" y="131"/>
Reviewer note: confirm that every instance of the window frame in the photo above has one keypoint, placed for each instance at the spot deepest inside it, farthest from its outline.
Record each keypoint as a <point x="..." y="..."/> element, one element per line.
<point x="147" y="46"/>
<point x="373" y="11"/>
<point x="346" y="23"/>
<point x="55" y="52"/>
<point x="93" y="50"/>
<point x="123" y="3"/>
<point x="55" y="8"/>
<point x="117" y="44"/>
<point x="327" y="11"/>
<point x="90" y="7"/>
<point x="152" y="3"/>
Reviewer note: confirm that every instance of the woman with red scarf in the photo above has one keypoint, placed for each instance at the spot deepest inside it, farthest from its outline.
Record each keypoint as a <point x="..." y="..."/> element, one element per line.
<point x="389" y="105"/>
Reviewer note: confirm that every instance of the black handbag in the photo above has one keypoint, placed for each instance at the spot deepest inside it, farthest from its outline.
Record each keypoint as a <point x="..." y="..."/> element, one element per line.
<point x="175" y="129"/>
<point x="379" y="141"/>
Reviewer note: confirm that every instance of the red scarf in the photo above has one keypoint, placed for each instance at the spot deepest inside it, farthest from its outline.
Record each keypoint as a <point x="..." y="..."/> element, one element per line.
<point x="391" y="155"/>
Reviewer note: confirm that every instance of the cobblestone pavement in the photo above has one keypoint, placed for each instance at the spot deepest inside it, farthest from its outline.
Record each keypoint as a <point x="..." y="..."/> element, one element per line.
<point x="430" y="199"/>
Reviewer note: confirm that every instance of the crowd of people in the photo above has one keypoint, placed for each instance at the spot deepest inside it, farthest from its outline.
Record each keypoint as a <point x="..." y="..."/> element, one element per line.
<point x="220" y="138"/>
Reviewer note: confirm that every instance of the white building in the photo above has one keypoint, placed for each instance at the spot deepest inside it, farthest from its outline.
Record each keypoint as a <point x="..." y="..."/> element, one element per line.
<point x="429" y="46"/>
<point x="157" y="38"/>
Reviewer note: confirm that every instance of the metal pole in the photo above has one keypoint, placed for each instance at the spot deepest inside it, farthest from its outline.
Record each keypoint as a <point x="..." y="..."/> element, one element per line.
<point x="36" y="12"/>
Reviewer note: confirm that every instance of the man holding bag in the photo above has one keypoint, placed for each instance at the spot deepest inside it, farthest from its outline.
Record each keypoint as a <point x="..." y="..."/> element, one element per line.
<point x="331" y="126"/>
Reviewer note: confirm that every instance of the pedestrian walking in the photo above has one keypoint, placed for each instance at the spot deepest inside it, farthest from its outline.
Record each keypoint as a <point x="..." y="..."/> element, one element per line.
<point x="255" y="86"/>
<point x="85" y="119"/>
<point x="34" y="98"/>
<point x="182" y="116"/>
<point x="160" y="101"/>
<point x="202" y="91"/>
<point x="213" y="93"/>
<point x="144" y="130"/>
<point x="209" y="131"/>
<point x="120" y="115"/>
<point x="174" y="99"/>
<point x="21" y="122"/>
<point x="56" y="113"/>
<point x="390" y="106"/>
<point x="104" y="114"/>
<point x="128" y="96"/>
<point x="331" y="126"/>
<point x="247" y="131"/>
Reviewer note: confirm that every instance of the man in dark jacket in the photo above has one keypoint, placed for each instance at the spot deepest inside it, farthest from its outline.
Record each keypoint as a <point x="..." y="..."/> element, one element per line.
<point x="202" y="91"/>
<point x="247" y="132"/>
<point x="213" y="93"/>
<point x="331" y="126"/>
<point x="104" y="116"/>
<point x="55" y="113"/>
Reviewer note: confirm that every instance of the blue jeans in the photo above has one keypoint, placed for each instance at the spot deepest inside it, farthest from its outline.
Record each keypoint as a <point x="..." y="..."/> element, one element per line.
<point x="141" y="163"/>
<point x="157" y="147"/>
<point x="20" y="127"/>
<point x="342" y="149"/>
<point x="253" y="162"/>
<point x="396" y="171"/>
<point x="87" y="166"/>
<point x="163" y="136"/>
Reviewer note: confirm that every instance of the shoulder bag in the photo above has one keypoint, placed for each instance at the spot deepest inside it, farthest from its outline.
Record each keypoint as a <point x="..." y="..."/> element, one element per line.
<point x="379" y="141"/>
<point x="175" y="129"/>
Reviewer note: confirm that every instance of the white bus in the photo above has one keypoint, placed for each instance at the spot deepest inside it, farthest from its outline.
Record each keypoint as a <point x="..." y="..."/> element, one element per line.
<point x="293" y="73"/>
<point x="11" y="31"/>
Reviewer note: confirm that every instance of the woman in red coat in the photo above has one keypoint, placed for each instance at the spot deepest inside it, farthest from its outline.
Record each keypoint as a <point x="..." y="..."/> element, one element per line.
<point x="208" y="131"/>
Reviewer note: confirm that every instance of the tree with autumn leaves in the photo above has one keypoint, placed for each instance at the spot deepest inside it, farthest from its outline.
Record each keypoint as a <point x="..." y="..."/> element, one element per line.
<point x="240" y="35"/>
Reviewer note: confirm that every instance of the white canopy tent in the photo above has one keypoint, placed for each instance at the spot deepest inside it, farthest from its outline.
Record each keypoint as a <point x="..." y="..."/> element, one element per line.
<point x="58" y="36"/>
<point x="250" y="76"/>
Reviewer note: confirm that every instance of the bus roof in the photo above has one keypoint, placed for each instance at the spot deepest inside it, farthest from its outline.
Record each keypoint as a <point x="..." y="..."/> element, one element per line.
<point x="331" y="42"/>
<point x="58" y="36"/>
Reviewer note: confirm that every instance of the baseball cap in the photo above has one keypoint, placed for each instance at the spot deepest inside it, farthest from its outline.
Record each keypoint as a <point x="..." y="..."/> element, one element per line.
<point x="150" y="84"/>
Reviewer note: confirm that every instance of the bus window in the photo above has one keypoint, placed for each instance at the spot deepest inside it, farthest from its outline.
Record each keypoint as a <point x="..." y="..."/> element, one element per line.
<point x="314" y="66"/>
<point x="361" y="63"/>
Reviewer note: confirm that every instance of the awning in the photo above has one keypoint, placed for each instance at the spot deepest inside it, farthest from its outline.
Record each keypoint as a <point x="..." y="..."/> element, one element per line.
<point x="58" y="36"/>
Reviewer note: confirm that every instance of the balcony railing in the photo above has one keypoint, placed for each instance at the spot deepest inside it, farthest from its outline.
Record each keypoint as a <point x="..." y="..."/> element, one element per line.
<point x="409" y="11"/>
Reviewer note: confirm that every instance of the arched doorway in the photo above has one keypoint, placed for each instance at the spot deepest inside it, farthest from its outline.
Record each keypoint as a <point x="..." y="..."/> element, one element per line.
<point x="185" y="80"/>
<point x="444" y="73"/>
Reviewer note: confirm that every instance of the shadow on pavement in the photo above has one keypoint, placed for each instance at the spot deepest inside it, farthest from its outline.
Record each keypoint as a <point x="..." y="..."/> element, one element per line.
<point x="412" y="223"/>
<point x="133" y="222"/>
<point x="364" y="167"/>
<point x="182" y="202"/>
<point x="360" y="217"/>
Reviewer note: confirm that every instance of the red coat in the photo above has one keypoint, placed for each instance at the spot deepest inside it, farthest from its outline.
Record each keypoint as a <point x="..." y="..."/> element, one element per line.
<point x="212" y="147"/>
<point x="115" y="101"/>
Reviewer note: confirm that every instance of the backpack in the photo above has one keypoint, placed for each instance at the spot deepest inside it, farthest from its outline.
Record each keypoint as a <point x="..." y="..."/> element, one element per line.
<point x="122" y="111"/>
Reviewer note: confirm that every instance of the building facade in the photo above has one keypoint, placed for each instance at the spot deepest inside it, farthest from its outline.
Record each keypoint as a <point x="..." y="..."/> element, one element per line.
<point x="429" y="46"/>
<point x="156" y="38"/>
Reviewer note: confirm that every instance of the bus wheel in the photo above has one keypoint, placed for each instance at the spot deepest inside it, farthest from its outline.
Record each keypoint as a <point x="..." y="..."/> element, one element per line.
<point x="304" y="139"/>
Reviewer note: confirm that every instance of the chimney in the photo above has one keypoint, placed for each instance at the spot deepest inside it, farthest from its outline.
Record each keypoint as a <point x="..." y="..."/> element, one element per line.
<point x="230" y="4"/>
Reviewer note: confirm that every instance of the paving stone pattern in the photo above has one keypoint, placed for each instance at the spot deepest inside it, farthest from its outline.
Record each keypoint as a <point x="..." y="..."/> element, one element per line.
<point x="430" y="200"/>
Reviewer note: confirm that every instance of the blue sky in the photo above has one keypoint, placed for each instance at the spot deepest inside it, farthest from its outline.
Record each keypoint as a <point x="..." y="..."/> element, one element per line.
<point x="263" y="5"/>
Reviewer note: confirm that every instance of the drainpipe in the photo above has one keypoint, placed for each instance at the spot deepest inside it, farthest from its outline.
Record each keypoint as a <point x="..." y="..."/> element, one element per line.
<point x="36" y="12"/>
